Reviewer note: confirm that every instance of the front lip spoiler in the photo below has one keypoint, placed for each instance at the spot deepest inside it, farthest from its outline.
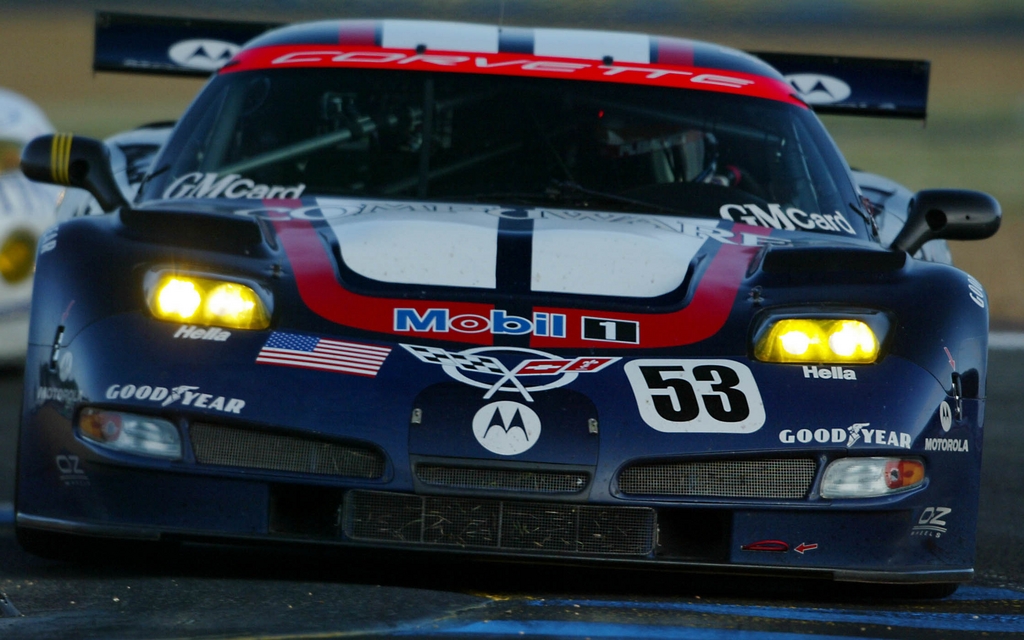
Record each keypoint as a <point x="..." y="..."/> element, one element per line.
<point x="927" y="576"/>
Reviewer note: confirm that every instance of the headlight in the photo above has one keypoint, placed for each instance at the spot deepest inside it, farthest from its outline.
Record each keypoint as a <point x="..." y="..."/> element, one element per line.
<point x="17" y="256"/>
<point x="10" y="156"/>
<point x="187" y="298"/>
<point x="131" y="433"/>
<point x="870" y="477"/>
<point x="825" y="339"/>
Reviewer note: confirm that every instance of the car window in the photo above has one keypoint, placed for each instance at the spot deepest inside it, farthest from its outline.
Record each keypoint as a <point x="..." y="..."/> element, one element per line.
<point x="510" y="140"/>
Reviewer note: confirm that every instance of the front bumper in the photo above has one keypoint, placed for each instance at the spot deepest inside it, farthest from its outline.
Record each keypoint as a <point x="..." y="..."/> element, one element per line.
<point x="69" y="485"/>
<point x="844" y="545"/>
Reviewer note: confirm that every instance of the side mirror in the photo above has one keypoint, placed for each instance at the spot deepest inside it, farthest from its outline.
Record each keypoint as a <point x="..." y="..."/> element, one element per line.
<point x="948" y="214"/>
<point x="74" y="161"/>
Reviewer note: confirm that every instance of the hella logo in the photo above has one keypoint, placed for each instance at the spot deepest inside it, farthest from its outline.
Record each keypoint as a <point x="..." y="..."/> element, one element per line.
<point x="819" y="89"/>
<point x="204" y="55"/>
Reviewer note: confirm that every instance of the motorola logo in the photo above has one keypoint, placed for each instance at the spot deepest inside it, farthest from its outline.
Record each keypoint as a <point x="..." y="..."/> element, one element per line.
<point x="203" y="55"/>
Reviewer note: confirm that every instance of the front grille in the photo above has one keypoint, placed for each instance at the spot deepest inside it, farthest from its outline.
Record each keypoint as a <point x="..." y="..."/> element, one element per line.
<point x="236" y="447"/>
<point x="496" y="479"/>
<point x="499" y="524"/>
<point x="786" y="479"/>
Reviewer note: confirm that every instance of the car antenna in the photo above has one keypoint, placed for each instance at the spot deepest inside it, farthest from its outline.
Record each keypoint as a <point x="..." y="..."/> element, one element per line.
<point x="501" y="13"/>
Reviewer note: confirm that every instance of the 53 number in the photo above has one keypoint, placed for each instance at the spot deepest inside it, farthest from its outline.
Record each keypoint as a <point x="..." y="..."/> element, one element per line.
<point x="713" y="396"/>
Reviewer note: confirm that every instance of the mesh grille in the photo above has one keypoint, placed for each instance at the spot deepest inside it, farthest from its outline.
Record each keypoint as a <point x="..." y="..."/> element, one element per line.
<point x="233" y="447"/>
<point x="500" y="525"/>
<point x="502" y="479"/>
<point x="779" y="478"/>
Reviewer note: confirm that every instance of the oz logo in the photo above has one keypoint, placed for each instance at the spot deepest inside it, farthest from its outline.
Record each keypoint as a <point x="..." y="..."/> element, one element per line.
<point x="932" y="522"/>
<point x="506" y="428"/>
<point x="696" y="396"/>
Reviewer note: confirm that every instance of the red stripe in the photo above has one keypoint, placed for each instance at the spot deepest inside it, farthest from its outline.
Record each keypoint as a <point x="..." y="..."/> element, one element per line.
<point x="514" y="64"/>
<point x="307" y="356"/>
<point x="675" y="52"/>
<point x="358" y="32"/>
<point x="702" y="318"/>
<point x="316" y="367"/>
<point x="324" y="295"/>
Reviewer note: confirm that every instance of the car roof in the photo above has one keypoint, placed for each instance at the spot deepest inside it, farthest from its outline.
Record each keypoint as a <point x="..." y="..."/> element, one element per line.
<point x="572" y="54"/>
<point x="542" y="42"/>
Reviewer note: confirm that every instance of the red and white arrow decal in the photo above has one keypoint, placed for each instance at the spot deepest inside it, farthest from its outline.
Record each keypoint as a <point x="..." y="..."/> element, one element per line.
<point x="803" y="546"/>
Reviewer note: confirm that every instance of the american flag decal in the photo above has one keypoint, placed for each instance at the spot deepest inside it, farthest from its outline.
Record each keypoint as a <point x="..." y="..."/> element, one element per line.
<point x="308" y="352"/>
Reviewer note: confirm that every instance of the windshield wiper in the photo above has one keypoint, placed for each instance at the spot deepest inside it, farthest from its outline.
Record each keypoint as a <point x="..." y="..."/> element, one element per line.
<point x="562" y="189"/>
<point x="152" y="174"/>
<point x="870" y="219"/>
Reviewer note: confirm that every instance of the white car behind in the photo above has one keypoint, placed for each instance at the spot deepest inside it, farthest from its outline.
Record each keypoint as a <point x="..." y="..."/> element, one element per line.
<point x="27" y="210"/>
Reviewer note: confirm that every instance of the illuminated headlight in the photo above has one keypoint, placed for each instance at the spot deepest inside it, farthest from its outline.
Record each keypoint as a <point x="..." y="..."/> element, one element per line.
<point x="870" y="477"/>
<point x="10" y="156"/>
<point x="826" y="340"/>
<point x="17" y="256"/>
<point x="186" y="298"/>
<point x="131" y="433"/>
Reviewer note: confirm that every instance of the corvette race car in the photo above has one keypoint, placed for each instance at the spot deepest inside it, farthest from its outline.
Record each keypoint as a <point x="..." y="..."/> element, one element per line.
<point x="27" y="209"/>
<point x="540" y="294"/>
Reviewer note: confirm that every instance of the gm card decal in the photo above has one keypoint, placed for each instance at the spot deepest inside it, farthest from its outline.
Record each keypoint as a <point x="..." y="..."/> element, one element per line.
<point x="696" y="396"/>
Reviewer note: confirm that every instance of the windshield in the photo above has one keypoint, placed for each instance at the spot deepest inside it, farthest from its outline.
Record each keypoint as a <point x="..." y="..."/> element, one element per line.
<point x="507" y="140"/>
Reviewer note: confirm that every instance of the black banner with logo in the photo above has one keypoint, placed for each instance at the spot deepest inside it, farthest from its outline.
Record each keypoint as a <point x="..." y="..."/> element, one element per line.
<point x="856" y="86"/>
<point x="168" y="46"/>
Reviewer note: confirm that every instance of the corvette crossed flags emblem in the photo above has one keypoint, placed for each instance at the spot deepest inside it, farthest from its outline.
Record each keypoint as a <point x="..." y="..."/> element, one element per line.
<point x="472" y="361"/>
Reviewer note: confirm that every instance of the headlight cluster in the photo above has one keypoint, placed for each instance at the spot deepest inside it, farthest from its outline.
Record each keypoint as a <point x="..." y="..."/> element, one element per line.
<point x="825" y="338"/>
<point x="10" y="156"/>
<point x="186" y="298"/>
<point x="870" y="477"/>
<point x="17" y="256"/>
<point x="131" y="433"/>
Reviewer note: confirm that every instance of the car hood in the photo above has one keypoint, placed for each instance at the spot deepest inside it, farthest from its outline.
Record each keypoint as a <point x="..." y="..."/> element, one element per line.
<point x="543" y="255"/>
<point x="467" y="272"/>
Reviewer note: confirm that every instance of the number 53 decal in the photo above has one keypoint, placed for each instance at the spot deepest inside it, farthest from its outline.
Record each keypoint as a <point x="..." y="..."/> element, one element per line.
<point x="696" y="396"/>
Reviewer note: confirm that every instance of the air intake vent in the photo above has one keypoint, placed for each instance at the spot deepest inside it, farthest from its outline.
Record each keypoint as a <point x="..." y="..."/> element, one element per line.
<point x="780" y="479"/>
<point x="493" y="479"/>
<point x="819" y="260"/>
<point x="235" y="447"/>
<point x="499" y="525"/>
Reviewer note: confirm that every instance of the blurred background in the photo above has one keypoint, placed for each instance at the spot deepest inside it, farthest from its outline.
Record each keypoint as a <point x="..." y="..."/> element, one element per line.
<point x="974" y="136"/>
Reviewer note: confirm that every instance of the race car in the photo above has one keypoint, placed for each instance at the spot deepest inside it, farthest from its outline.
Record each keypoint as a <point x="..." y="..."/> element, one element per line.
<point x="534" y="294"/>
<point x="27" y="209"/>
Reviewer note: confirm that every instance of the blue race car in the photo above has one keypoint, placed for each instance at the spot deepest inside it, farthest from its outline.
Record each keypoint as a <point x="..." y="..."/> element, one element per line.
<point x="540" y="294"/>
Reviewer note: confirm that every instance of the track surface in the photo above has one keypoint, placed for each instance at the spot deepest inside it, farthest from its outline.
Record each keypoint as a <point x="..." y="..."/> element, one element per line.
<point x="295" y="593"/>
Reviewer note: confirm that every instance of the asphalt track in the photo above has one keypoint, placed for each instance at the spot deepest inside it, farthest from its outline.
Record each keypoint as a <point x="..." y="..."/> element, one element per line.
<point x="207" y="591"/>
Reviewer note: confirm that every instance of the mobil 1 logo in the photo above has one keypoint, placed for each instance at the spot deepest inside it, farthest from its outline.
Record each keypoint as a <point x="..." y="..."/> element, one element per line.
<point x="696" y="396"/>
<point x="606" y="330"/>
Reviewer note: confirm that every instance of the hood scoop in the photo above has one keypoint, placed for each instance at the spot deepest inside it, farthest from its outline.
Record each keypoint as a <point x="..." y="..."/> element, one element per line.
<point x="196" y="228"/>
<point x="816" y="260"/>
<point x="546" y="256"/>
